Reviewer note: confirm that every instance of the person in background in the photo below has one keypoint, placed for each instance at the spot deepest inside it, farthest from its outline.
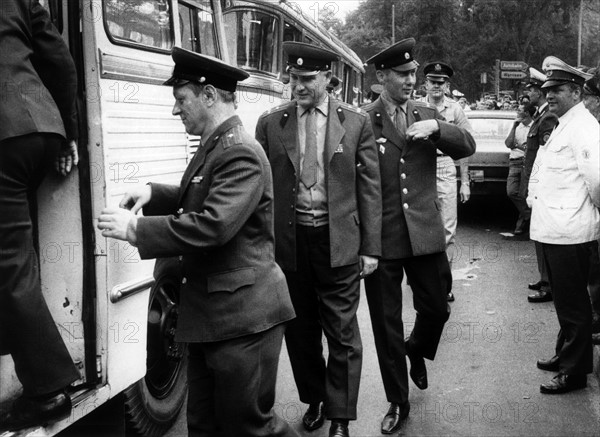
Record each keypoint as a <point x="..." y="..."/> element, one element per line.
<point x="408" y="134"/>
<point x="591" y="100"/>
<point x="437" y="76"/>
<point x="38" y="128"/>
<point x="327" y="231"/>
<point x="334" y="82"/>
<point x="234" y="299"/>
<point x="565" y="201"/>
<point x="516" y="141"/>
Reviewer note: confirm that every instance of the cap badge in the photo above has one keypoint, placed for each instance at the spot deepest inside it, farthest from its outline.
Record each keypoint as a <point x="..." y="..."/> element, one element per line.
<point x="549" y="73"/>
<point x="202" y="79"/>
<point x="438" y="67"/>
<point x="406" y="55"/>
<point x="300" y="61"/>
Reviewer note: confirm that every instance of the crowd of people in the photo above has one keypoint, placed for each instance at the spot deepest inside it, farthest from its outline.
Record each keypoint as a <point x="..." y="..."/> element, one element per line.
<point x="276" y="230"/>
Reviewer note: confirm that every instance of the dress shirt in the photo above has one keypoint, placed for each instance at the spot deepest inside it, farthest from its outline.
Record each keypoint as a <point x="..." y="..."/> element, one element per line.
<point x="565" y="191"/>
<point x="311" y="204"/>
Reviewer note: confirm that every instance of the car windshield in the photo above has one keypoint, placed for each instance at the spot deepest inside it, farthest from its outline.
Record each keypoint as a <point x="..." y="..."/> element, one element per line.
<point x="490" y="133"/>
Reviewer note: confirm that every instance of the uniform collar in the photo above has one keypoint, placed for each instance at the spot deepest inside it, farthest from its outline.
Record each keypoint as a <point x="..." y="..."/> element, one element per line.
<point x="322" y="107"/>
<point x="390" y="107"/>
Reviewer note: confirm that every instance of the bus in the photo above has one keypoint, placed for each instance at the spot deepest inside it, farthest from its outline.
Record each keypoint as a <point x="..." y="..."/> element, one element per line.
<point x="116" y="313"/>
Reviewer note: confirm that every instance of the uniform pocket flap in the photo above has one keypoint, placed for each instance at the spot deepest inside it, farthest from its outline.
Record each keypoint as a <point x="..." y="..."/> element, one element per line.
<point x="231" y="280"/>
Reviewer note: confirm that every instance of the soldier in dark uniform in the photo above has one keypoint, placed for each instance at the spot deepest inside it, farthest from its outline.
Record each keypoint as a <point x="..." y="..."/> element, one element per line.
<point x="38" y="123"/>
<point x="408" y="134"/>
<point x="539" y="132"/>
<point x="327" y="230"/>
<point x="234" y="299"/>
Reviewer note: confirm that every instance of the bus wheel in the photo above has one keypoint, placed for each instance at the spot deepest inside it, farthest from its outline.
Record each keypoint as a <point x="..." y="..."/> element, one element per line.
<point x="154" y="402"/>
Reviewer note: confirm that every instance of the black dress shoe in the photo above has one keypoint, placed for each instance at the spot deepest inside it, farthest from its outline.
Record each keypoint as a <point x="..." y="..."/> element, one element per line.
<point x="562" y="383"/>
<point x="395" y="417"/>
<point x="418" y="371"/>
<point x="27" y="412"/>
<point x="540" y="296"/>
<point x="314" y="417"/>
<point x="339" y="428"/>
<point x="551" y="365"/>
<point x="450" y="297"/>
<point x="537" y="285"/>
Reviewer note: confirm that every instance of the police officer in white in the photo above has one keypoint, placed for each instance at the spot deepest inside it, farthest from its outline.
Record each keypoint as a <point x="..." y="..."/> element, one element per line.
<point x="565" y="201"/>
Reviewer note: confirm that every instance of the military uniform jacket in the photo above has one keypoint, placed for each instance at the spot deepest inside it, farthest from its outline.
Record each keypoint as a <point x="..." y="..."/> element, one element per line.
<point x="351" y="178"/>
<point x="220" y="221"/>
<point x="412" y="221"/>
<point x="37" y="74"/>
<point x="539" y="132"/>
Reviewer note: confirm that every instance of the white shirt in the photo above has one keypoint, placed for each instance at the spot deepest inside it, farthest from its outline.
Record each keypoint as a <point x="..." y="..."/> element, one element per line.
<point x="521" y="132"/>
<point x="564" y="189"/>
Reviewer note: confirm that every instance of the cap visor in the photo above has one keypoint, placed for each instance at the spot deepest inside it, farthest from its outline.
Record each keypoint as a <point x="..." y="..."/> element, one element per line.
<point x="173" y="80"/>
<point x="412" y="65"/>
<point x="553" y="83"/>
<point x="438" y="77"/>
<point x="299" y="72"/>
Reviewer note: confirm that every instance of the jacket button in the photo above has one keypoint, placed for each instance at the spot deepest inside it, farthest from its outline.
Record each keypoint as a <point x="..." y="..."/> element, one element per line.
<point x="405" y="206"/>
<point x="405" y="191"/>
<point x="290" y="223"/>
<point x="180" y="258"/>
<point x="401" y="160"/>
<point x="180" y="211"/>
<point x="184" y="280"/>
<point x="403" y="176"/>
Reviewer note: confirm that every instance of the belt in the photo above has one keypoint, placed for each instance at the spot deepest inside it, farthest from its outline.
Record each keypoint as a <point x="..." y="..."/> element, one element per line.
<point x="308" y="220"/>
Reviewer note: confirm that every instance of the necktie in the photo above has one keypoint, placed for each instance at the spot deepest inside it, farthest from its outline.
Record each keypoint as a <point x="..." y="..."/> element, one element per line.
<point x="309" y="167"/>
<point x="400" y="121"/>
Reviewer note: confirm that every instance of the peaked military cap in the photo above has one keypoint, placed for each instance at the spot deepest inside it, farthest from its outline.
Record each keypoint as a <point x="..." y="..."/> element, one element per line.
<point x="306" y="59"/>
<point x="398" y="57"/>
<point x="205" y="70"/>
<point x="559" y="72"/>
<point x="592" y="85"/>
<point x="536" y="78"/>
<point x="438" y="71"/>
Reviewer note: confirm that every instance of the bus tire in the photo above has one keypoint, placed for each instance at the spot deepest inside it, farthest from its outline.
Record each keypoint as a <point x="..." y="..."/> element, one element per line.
<point x="152" y="404"/>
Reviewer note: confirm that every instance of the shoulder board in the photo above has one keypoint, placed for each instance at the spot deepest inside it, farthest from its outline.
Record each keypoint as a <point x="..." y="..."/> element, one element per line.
<point x="232" y="137"/>
<point x="423" y="105"/>
<point x="279" y="108"/>
<point x="351" y="108"/>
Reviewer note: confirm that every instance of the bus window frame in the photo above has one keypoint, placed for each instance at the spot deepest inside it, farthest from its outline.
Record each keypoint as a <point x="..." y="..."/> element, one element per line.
<point x="198" y="6"/>
<point x="139" y="46"/>
<point x="276" y="73"/>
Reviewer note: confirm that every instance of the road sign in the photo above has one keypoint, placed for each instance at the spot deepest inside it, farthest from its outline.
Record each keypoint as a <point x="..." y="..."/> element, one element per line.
<point x="513" y="65"/>
<point x="512" y="75"/>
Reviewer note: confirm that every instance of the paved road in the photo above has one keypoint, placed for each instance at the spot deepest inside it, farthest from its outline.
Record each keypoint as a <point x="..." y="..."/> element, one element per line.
<point x="484" y="381"/>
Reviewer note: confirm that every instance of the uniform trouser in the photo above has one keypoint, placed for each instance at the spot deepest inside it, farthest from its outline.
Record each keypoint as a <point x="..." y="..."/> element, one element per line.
<point x="447" y="194"/>
<point x="542" y="268"/>
<point x="513" y="187"/>
<point x="568" y="272"/>
<point x="594" y="282"/>
<point x="27" y="330"/>
<point x="231" y="387"/>
<point x="325" y="300"/>
<point x="428" y="276"/>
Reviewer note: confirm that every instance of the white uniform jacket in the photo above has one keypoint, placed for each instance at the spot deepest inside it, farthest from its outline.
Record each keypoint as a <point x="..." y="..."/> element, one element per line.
<point x="564" y="189"/>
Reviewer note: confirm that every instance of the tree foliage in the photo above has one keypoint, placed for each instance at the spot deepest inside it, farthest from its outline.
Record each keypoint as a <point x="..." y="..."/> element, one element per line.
<point x="472" y="34"/>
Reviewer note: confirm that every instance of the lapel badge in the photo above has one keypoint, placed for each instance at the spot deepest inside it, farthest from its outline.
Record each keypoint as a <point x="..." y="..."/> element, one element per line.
<point x="340" y="149"/>
<point x="197" y="179"/>
<point x="382" y="149"/>
<point x="381" y="140"/>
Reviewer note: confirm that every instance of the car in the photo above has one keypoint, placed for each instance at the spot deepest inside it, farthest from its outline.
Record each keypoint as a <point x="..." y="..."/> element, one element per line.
<point x="488" y="166"/>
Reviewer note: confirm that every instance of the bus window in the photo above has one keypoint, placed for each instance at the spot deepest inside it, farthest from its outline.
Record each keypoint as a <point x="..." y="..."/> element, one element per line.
<point x="139" y="22"/>
<point x="253" y="40"/>
<point x="309" y="40"/>
<point x="291" y="32"/>
<point x="197" y="27"/>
